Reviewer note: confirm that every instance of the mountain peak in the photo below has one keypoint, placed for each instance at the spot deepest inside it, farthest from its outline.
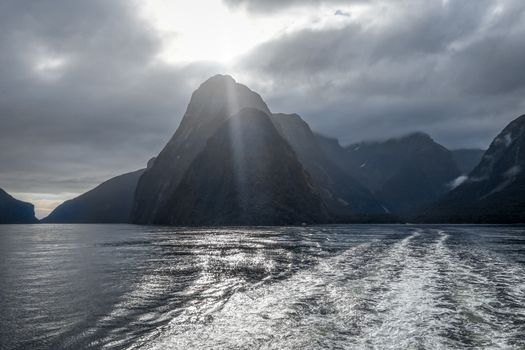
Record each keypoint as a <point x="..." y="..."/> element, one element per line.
<point x="413" y="137"/>
<point x="216" y="100"/>
<point x="292" y="116"/>
<point x="220" y="97"/>
<point x="417" y="135"/>
<point x="218" y="79"/>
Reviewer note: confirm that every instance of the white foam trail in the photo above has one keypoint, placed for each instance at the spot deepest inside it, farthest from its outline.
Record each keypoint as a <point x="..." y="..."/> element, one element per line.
<point x="416" y="293"/>
<point x="289" y="314"/>
<point x="406" y="313"/>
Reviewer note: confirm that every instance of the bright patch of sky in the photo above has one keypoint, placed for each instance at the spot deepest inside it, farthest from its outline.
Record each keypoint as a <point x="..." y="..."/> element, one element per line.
<point x="207" y="30"/>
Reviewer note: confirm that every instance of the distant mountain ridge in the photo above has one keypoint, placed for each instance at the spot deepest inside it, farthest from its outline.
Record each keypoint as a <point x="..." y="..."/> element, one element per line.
<point x="109" y="202"/>
<point x="14" y="211"/>
<point x="403" y="173"/>
<point x="234" y="162"/>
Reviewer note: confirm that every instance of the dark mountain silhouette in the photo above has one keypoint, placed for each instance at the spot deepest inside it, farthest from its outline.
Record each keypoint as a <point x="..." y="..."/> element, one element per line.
<point x="403" y="173"/>
<point x="494" y="191"/>
<point x="467" y="159"/>
<point x="110" y="202"/>
<point x="340" y="192"/>
<point x="211" y="104"/>
<point x="159" y="196"/>
<point x="247" y="174"/>
<point x="14" y="211"/>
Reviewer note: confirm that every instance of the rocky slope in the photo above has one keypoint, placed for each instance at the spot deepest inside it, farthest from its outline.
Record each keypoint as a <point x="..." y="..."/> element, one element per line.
<point x="494" y="192"/>
<point x="14" y="211"/>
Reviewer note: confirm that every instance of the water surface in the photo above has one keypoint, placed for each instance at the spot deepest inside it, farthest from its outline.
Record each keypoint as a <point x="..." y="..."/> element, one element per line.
<point x="344" y="287"/>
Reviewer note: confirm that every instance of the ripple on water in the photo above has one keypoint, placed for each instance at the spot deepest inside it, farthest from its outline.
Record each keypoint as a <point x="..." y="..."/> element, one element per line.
<point x="347" y="287"/>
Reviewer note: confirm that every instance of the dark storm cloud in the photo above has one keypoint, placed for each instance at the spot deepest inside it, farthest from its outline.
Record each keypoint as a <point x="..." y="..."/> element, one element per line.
<point x="82" y="97"/>
<point x="449" y="68"/>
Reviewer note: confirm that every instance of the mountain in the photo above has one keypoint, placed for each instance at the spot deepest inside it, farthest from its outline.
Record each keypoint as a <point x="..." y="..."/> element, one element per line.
<point x="403" y="173"/>
<point x="494" y="192"/>
<point x="14" y="211"/>
<point x="159" y="192"/>
<point x="247" y="174"/>
<point x="109" y="202"/>
<point x="467" y="159"/>
<point x="210" y="105"/>
<point x="339" y="191"/>
<point x="333" y="150"/>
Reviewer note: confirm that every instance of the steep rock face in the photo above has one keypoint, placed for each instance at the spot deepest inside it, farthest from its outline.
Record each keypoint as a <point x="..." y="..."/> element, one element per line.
<point x="14" y="211"/>
<point x="494" y="191"/>
<point x="339" y="191"/>
<point x="467" y="159"/>
<point x="211" y="104"/>
<point x="110" y="202"/>
<point x="247" y="174"/>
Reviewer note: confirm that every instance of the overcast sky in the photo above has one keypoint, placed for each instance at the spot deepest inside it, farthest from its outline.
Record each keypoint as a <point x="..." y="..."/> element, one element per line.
<point x="92" y="89"/>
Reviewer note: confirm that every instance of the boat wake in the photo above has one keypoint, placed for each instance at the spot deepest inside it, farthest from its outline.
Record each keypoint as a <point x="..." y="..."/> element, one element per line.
<point x="419" y="291"/>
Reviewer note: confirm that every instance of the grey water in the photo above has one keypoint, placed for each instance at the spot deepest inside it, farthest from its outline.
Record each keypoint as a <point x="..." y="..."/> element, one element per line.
<point x="339" y="287"/>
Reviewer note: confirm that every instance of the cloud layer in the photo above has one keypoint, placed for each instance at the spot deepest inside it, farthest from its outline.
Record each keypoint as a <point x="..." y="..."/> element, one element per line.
<point x="450" y="68"/>
<point x="82" y="96"/>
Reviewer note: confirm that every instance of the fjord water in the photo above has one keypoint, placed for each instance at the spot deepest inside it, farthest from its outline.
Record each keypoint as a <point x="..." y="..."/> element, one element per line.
<point x="361" y="286"/>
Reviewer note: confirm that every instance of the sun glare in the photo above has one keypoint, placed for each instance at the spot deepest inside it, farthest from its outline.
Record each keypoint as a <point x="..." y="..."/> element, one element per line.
<point x="207" y="30"/>
<point x="201" y="30"/>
